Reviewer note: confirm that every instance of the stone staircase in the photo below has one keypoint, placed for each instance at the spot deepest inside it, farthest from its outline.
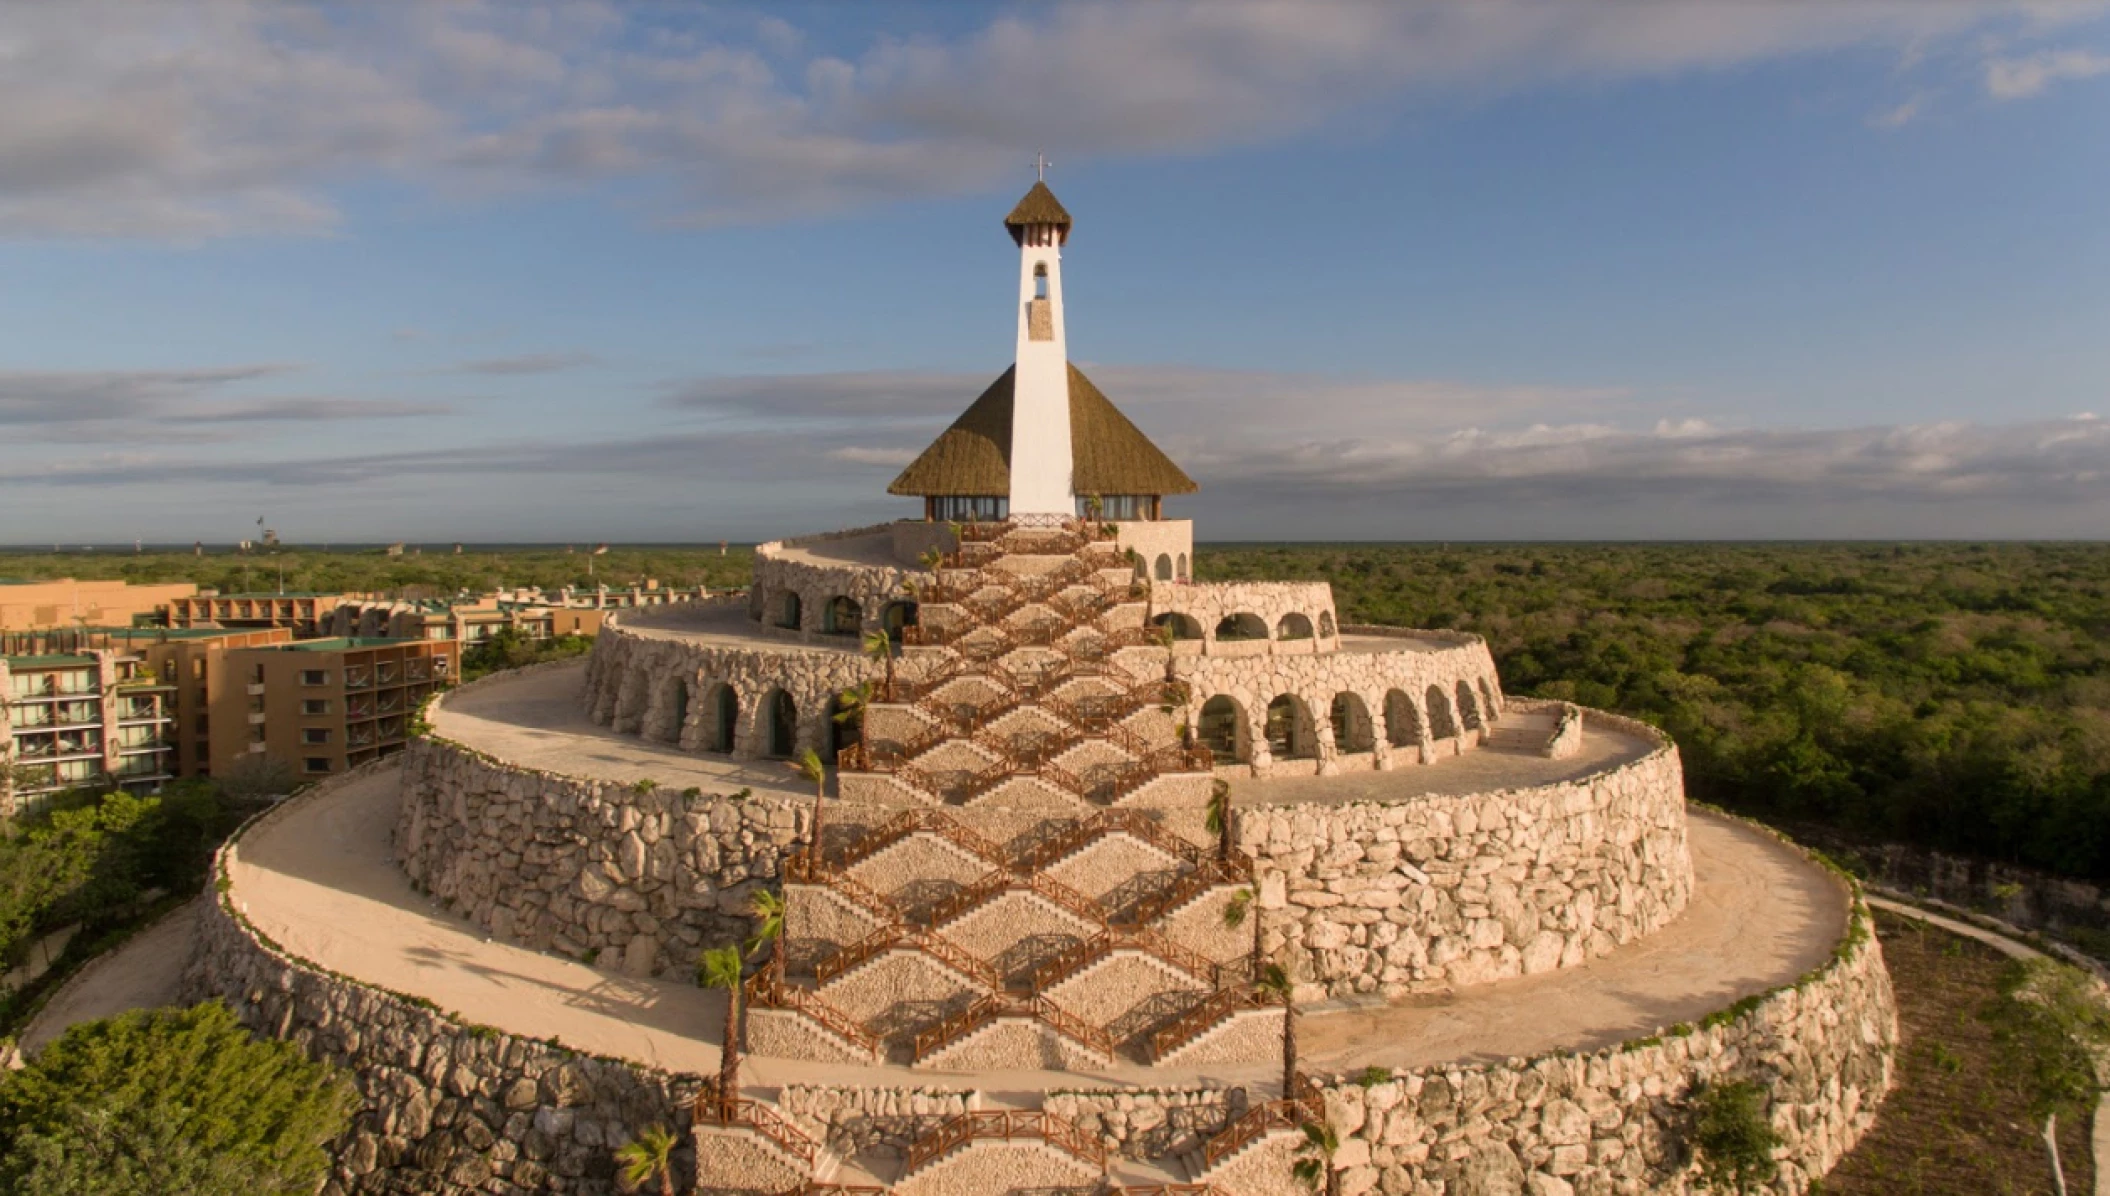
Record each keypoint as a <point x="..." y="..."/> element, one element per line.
<point x="1521" y="731"/>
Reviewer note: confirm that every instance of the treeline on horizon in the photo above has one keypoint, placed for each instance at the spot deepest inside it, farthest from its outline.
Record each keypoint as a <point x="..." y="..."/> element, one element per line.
<point x="435" y="572"/>
<point x="1950" y="695"/>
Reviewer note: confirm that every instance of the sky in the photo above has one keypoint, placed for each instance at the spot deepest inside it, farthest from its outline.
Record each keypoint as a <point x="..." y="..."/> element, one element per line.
<point x="1412" y="270"/>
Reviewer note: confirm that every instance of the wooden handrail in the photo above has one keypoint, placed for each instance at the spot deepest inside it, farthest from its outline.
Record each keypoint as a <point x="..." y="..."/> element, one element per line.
<point x="905" y="937"/>
<point x="1007" y="1125"/>
<point x="1289" y="1113"/>
<point x="764" y="991"/>
<point x="1189" y="1025"/>
<point x="713" y="1109"/>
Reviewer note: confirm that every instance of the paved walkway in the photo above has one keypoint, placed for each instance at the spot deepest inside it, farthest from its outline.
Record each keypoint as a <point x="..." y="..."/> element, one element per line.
<point x="538" y="720"/>
<point x="141" y="973"/>
<point x="2099" y="1143"/>
<point x="320" y="882"/>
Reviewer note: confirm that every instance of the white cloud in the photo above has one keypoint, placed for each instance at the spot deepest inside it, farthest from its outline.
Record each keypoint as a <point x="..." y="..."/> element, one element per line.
<point x="190" y="119"/>
<point x="1900" y="116"/>
<point x="2018" y="78"/>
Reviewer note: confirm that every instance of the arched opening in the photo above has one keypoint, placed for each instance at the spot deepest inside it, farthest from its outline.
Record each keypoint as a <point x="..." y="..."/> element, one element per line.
<point x="844" y="616"/>
<point x="1180" y="568"/>
<point x="1040" y="280"/>
<point x="1184" y="627"/>
<point x="895" y="616"/>
<point x="1489" y="712"/>
<point x="788" y="610"/>
<point x="725" y="718"/>
<point x="783" y="725"/>
<point x="1441" y="725"/>
<point x="1222" y="730"/>
<point x="630" y="703"/>
<point x="1241" y="626"/>
<point x="1402" y="721"/>
<point x="843" y="732"/>
<point x="1352" y="731"/>
<point x="1293" y="627"/>
<point x="670" y="712"/>
<point x="1326" y="627"/>
<point x="1289" y="732"/>
<point x="1468" y="707"/>
<point x="1164" y="567"/>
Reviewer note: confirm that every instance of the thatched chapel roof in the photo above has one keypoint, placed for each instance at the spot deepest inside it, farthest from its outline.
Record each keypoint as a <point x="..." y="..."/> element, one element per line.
<point x="1109" y="455"/>
<point x="1039" y="207"/>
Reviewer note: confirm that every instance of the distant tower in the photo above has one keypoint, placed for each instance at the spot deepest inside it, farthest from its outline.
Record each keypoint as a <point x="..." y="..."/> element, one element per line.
<point x="1040" y="415"/>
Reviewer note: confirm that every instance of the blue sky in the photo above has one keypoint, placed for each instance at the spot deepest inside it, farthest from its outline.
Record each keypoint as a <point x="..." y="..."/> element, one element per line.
<point x="1409" y="270"/>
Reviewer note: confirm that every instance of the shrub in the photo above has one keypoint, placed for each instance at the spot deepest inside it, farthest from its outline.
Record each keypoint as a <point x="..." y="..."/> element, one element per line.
<point x="1732" y="1136"/>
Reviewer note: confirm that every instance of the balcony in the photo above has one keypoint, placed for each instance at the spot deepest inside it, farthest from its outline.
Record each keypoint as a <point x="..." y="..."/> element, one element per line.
<point x="145" y="747"/>
<point x="358" y="679"/>
<point x="58" y="753"/>
<point x="256" y="718"/>
<point x="139" y="714"/>
<point x="386" y="674"/>
<point x="255" y="689"/>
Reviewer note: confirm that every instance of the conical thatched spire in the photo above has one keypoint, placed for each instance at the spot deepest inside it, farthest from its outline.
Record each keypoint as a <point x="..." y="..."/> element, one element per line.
<point x="1039" y="207"/>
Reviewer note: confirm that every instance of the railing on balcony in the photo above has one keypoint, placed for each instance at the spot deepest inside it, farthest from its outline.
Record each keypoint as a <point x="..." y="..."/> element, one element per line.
<point x="357" y="679"/>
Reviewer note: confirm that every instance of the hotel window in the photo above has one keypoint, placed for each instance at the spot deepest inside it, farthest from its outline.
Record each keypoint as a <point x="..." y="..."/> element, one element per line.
<point x="314" y="706"/>
<point x="314" y="677"/>
<point x="314" y="734"/>
<point x="316" y="764"/>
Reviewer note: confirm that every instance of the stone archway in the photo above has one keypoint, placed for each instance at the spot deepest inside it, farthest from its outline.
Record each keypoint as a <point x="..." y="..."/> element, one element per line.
<point x="843" y="616"/>
<point x="789" y="611"/>
<point x="1490" y="710"/>
<point x="1184" y="626"/>
<point x="722" y="719"/>
<point x="842" y="733"/>
<point x="1293" y="626"/>
<point x="1441" y="725"/>
<point x="1352" y="730"/>
<point x="1241" y="626"/>
<point x="1163" y="570"/>
<point x="1402" y="721"/>
<point x="781" y="725"/>
<point x="897" y="616"/>
<point x="1468" y="707"/>
<point x="1289" y="729"/>
<point x="1223" y="730"/>
<point x="666" y="716"/>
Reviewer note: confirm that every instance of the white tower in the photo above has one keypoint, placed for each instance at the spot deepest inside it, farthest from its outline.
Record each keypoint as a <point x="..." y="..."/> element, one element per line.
<point x="1040" y="414"/>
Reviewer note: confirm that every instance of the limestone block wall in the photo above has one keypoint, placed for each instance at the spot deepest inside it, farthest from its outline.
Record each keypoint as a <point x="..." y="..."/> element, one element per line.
<point x="668" y="688"/>
<point x="448" y="1108"/>
<point x="1164" y="547"/>
<point x="1391" y="710"/>
<point x="644" y="877"/>
<point x="1443" y="890"/>
<point x="1617" y="1120"/>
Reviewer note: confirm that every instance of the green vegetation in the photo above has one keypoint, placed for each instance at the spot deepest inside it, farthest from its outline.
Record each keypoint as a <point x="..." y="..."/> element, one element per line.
<point x="169" y="1100"/>
<point x="436" y="572"/>
<point x="1733" y="1138"/>
<point x="649" y="1159"/>
<point x="93" y="859"/>
<point x="1956" y="696"/>
<point x="506" y="648"/>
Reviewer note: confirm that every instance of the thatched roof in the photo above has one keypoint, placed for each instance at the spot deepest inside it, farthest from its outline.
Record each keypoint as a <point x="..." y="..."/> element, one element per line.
<point x="1039" y="207"/>
<point x="1109" y="455"/>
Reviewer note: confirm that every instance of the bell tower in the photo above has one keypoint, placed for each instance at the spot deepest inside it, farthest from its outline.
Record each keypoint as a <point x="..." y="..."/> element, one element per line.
<point x="1041" y="464"/>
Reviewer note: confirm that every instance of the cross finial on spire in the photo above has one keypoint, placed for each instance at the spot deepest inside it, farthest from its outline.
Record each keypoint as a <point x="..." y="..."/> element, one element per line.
<point x="1040" y="165"/>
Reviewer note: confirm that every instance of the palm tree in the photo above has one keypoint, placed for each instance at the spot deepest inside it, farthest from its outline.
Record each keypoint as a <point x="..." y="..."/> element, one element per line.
<point x="850" y="707"/>
<point x="934" y="561"/>
<point x="650" y="1157"/>
<point x="1219" y="822"/>
<point x="768" y="908"/>
<point x="880" y="646"/>
<point x="809" y="765"/>
<point x="1276" y="983"/>
<point x="719" y="967"/>
<point x="1315" y="1168"/>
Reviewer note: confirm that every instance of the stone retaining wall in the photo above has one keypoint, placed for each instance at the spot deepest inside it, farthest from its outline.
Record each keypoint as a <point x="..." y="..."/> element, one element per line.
<point x="852" y="1120"/>
<point x="1443" y="891"/>
<point x="647" y="877"/>
<point x="448" y="1108"/>
<point x="1619" y="1120"/>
